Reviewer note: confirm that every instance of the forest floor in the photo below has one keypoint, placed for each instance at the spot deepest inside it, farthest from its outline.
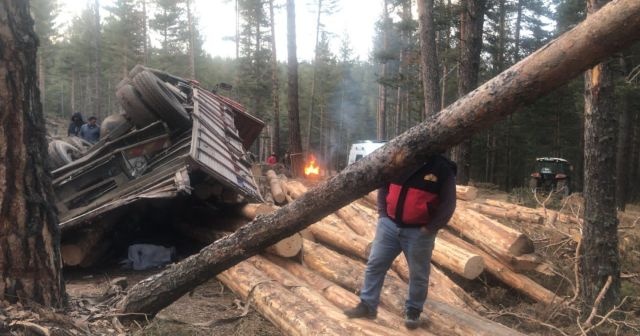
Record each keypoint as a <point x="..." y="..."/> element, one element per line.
<point x="212" y="309"/>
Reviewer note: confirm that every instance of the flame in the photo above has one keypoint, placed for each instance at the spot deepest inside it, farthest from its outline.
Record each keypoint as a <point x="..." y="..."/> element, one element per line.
<point x="311" y="168"/>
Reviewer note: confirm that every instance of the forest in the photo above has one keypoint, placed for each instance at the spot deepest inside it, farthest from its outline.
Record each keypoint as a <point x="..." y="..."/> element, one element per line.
<point x="343" y="98"/>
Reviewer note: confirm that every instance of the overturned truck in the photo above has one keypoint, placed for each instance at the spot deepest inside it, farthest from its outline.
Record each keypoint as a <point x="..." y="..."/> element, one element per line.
<point x="175" y="139"/>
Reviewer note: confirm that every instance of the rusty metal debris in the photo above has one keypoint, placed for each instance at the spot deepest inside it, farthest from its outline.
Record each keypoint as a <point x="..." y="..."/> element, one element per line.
<point x="176" y="137"/>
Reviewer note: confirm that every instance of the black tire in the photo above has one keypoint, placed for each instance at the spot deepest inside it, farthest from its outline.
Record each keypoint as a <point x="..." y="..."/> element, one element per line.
<point x="139" y="114"/>
<point x="81" y="144"/>
<point x="61" y="153"/>
<point x="122" y="83"/>
<point x="111" y="123"/>
<point x="159" y="97"/>
<point x="136" y="70"/>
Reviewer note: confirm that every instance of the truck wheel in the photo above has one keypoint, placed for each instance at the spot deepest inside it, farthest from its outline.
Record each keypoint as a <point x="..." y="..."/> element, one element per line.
<point x="155" y="93"/>
<point x="133" y="106"/>
<point x="61" y="153"/>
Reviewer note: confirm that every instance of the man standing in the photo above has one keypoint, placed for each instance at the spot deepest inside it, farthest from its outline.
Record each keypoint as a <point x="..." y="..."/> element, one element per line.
<point x="90" y="131"/>
<point x="412" y="207"/>
<point x="75" y="124"/>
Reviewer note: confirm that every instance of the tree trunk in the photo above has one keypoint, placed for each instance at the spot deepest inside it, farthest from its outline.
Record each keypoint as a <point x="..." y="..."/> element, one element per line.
<point x="313" y="79"/>
<point x="429" y="58"/>
<point x="613" y="28"/>
<point x="192" y="42"/>
<point x="30" y="263"/>
<point x="275" y="83"/>
<point x="623" y="162"/>
<point x="297" y="161"/>
<point x="600" y="258"/>
<point x="145" y="57"/>
<point x="97" y="104"/>
<point x="471" y="22"/>
<point x="381" y="119"/>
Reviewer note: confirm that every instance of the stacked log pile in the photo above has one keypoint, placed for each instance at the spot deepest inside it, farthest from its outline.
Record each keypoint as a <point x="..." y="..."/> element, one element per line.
<point x="328" y="272"/>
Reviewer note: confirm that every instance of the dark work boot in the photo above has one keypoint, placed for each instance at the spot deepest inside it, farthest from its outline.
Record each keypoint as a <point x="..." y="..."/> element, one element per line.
<point x="412" y="318"/>
<point x="361" y="311"/>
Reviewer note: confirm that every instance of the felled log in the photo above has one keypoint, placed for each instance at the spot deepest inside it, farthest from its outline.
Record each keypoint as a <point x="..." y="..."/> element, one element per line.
<point x="290" y="313"/>
<point x="353" y="218"/>
<point x="340" y="239"/>
<point x="549" y="216"/>
<point x="441" y="283"/>
<point x="457" y="259"/>
<point x="252" y="210"/>
<point x="491" y="235"/>
<point x="350" y="243"/>
<point x="295" y="189"/>
<point x="324" y="307"/>
<point x="498" y="269"/>
<point x="287" y="247"/>
<point x="276" y="188"/>
<point x="87" y="246"/>
<point x="337" y="295"/>
<point x="466" y="193"/>
<point x="446" y="319"/>
<point x="511" y="214"/>
<point x="613" y="28"/>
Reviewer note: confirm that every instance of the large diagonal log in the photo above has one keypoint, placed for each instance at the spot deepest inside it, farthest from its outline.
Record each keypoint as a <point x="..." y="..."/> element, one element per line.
<point x="611" y="29"/>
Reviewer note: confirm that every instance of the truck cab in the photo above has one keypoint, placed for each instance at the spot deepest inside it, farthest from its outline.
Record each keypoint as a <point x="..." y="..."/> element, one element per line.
<point x="363" y="148"/>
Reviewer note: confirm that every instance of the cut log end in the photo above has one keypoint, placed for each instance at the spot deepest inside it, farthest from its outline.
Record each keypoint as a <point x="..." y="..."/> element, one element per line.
<point x="288" y="247"/>
<point x="473" y="268"/>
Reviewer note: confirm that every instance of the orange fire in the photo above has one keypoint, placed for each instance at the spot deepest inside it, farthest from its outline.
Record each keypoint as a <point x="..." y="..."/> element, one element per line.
<point x="311" y="168"/>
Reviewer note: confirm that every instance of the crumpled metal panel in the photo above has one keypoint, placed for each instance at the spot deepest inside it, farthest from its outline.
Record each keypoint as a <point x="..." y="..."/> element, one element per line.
<point x="217" y="148"/>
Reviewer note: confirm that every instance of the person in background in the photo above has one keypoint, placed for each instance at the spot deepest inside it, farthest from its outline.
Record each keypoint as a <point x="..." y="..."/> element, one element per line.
<point x="75" y="124"/>
<point x="272" y="159"/>
<point x="91" y="130"/>
<point x="412" y="207"/>
<point x="286" y="159"/>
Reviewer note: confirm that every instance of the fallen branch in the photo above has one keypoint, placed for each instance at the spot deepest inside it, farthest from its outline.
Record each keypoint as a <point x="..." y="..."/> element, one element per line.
<point x="598" y="300"/>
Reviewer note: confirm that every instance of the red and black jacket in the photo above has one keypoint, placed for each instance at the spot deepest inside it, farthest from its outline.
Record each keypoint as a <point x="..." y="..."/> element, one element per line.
<point x="423" y="196"/>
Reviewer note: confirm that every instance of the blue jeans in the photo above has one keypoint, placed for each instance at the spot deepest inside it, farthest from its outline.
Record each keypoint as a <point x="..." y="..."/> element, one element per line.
<point x="390" y="240"/>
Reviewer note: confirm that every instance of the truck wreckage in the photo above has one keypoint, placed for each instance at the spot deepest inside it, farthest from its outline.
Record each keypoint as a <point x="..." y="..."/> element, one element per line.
<point x="173" y="138"/>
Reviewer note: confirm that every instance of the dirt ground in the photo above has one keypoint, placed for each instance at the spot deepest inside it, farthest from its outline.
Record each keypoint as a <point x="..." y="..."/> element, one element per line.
<point x="210" y="309"/>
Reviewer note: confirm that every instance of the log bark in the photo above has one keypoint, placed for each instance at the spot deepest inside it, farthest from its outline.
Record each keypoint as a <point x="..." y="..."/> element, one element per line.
<point x="511" y="214"/>
<point x="609" y="30"/>
<point x="324" y="307"/>
<point x="353" y="218"/>
<point x="446" y="319"/>
<point x="492" y="236"/>
<point x="550" y="217"/>
<point x="290" y="313"/>
<point x="276" y="188"/>
<point x="30" y="262"/>
<point x="498" y="269"/>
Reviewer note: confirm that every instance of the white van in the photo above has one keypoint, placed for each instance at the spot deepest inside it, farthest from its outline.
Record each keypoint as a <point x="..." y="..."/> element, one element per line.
<point x="363" y="148"/>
